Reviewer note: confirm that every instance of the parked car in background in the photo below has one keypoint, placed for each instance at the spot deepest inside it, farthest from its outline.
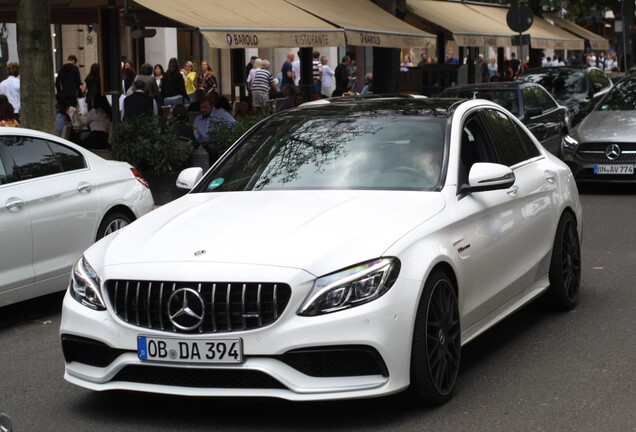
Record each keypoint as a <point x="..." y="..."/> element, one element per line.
<point x="579" y="89"/>
<point x="548" y="121"/>
<point x="337" y="250"/>
<point x="603" y="146"/>
<point x="56" y="199"/>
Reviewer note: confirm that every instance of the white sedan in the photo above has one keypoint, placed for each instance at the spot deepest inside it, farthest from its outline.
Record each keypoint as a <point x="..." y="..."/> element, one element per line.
<point x="340" y="250"/>
<point x="56" y="199"/>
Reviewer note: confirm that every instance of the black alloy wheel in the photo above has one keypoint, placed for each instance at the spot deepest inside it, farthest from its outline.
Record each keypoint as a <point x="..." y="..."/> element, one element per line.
<point x="565" y="265"/>
<point x="435" y="355"/>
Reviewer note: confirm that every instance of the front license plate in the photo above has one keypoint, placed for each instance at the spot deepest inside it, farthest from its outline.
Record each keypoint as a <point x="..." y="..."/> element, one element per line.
<point x="613" y="169"/>
<point x="190" y="350"/>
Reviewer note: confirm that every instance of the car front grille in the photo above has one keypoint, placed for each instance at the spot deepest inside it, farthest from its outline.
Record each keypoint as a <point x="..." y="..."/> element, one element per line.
<point x="198" y="377"/>
<point x="595" y="152"/>
<point x="225" y="307"/>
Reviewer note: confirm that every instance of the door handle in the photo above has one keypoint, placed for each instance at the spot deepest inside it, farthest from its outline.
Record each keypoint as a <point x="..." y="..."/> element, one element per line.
<point x="84" y="187"/>
<point x="513" y="191"/>
<point x="14" y="204"/>
<point x="550" y="176"/>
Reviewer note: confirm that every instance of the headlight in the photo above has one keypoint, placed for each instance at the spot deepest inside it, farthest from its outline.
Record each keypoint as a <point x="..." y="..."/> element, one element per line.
<point x="570" y="143"/>
<point x="351" y="287"/>
<point x="84" y="285"/>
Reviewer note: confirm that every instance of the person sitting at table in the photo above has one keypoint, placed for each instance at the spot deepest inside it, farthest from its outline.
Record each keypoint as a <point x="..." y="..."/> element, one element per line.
<point x="98" y="122"/>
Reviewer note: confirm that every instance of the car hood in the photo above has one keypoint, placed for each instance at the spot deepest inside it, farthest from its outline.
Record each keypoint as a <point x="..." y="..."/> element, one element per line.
<point x="310" y="230"/>
<point x="615" y="126"/>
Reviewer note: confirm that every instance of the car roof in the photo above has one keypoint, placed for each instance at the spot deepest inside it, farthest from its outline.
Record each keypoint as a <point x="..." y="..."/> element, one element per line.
<point x="433" y="106"/>
<point x="501" y="85"/>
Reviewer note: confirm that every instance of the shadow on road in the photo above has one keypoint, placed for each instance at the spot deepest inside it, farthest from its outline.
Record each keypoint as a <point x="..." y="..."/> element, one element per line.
<point x="31" y="310"/>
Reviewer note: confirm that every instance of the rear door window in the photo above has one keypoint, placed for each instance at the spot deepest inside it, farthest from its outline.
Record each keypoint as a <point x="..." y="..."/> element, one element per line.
<point x="32" y="157"/>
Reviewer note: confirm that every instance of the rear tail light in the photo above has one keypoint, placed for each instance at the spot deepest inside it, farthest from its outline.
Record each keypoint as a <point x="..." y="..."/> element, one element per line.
<point x="139" y="177"/>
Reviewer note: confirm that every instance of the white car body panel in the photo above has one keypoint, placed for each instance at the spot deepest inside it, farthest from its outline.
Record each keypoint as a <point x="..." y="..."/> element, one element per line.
<point x="59" y="219"/>
<point x="296" y="236"/>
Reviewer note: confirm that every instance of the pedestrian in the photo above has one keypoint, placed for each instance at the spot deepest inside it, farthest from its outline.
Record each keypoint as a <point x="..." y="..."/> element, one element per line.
<point x="249" y="67"/>
<point x="492" y="68"/>
<point x="179" y="119"/>
<point x="206" y="80"/>
<point x="261" y="84"/>
<point x="152" y="89"/>
<point x="406" y="63"/>
<point x="482" y="68"/>
<point x="296" y="69"/>
<point x="287" y="71"/>
<point x="92" y="85"/>
<point x="326" y="78"/>
<point x="315" y="75"/>
<point x="7" y="114"/>
<point x="61" y="116"/>
<point x="139" y="103"/>
<point x="158" y="74"/>
<point x="190" y="77"/>
<point x="173" y="89"/>
<point x="244" y="110"/>
<point x="128" y="76"/>
<point x="368" y="84"/>
<point x="515" y="65"/>
<point x="289" y="95"/>
<point x="342" y="79"/>
<point x="68" y="81"/>
<point x="98" y="121"/>
<point x="258" y="63"/>
<point x="423" y="60"/>
<point x="10" y="87"/>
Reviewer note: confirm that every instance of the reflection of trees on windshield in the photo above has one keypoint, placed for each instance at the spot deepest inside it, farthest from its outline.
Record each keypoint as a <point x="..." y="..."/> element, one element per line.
<point x="621" y="98"/>
<point x="313" y="143"/>
<point x="349" y="149"/>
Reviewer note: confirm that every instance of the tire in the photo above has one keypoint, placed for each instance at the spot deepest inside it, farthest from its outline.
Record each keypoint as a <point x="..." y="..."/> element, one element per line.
<point x="436" y="348"/>
<point x="112" y="222"/>
<point x="565" y="265"/>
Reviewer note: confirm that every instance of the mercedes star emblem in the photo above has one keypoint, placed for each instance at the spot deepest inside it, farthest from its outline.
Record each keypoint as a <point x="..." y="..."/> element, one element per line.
<point x="186" y="309"/>
<point x="613" y="152"/>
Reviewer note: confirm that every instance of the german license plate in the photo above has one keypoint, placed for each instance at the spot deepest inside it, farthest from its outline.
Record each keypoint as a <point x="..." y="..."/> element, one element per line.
<point x="613" y="169"/>
<point x="189" y="350"/>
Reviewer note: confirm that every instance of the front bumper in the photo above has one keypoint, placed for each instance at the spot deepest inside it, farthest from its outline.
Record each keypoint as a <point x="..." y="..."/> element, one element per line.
<point x="355" y="353"/>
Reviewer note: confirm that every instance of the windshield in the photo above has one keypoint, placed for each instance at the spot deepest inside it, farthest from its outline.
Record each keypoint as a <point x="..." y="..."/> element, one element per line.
<point x="562" y="83"/>
<point x="508" y="99"/>
<point x="622" y="97"/>
<point x="349" y="151"/>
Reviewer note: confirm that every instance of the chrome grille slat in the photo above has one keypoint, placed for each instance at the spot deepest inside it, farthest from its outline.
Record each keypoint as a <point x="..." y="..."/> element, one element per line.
<point x="229" y="307"/>
<point x="243" y="321"/>
<point x="595" y="152"/>
<point x="258" y="305"/>
<point x="137" y="302"/>
<point x="213" y="308"/>
<point x="148" y="315"/>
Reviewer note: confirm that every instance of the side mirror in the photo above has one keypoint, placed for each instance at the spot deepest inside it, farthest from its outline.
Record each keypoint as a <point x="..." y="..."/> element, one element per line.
<point x="189" y="177"/>
<point x="484" y="176"/>
<point x="5" y="423"/>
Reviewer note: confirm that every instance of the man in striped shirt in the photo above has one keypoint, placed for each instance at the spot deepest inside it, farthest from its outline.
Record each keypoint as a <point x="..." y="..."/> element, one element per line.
<point x="261" y="83"/>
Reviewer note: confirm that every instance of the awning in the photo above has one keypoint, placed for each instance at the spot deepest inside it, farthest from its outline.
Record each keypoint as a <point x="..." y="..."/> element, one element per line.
<point x="366" y="24"/>
<point x="468" y="27"/>
<point x="542" y="33"/>
<point x="250" y="23"/>
<point x="597" y="42"/>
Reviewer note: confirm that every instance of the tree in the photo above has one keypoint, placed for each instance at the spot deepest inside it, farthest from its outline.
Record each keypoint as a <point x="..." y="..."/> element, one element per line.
<point x="37" y="89"/>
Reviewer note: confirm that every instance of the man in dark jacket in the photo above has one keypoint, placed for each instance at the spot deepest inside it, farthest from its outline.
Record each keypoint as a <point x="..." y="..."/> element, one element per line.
<point x="68" y="81"/>
<point x="342" y="79"/>
<point x="138" y="103"/>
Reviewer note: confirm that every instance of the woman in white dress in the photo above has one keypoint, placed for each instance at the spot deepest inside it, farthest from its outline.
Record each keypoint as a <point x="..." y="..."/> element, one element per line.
<point x="326" y="78"/>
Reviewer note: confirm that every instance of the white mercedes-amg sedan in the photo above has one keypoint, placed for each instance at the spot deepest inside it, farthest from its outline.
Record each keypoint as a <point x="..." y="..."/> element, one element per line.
<point x="346" y="249"/>
<point x="56" y="199"/>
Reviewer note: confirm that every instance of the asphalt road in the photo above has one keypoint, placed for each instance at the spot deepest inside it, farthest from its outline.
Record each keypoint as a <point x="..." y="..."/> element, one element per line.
<point x="537" y="371"/>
